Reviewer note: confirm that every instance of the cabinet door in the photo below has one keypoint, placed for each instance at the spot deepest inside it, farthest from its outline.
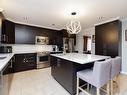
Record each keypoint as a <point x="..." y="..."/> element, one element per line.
<point x="107" y="39"/>
<point x="24" y="34"/>
<point x="55" y="68"/>
<point x="100" y="44"/>
<point x="0" y="29"/>
<point x="52" y="38"/>
<point x="24" y="62"/>
<point x="8" y="32"/>
<point x="7" y="77"/>
<point x="66" y="74"/>
<point x="112" y="39"/>
<point x="30" y="60"/>
<point x="59" y="39"/>
<point x="62" y="71"/>
<point x="19" y="63"/>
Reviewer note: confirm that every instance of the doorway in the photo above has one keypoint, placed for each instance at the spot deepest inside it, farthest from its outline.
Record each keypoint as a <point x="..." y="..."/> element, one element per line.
<point x="87" y="44"/>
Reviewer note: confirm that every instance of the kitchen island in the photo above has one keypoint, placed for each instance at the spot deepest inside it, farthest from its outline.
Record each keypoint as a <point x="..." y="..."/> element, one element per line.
<point x="65" y="66"/>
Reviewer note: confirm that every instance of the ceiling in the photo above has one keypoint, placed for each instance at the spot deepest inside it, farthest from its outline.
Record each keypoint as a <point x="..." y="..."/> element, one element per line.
<point x="56" y="13"/>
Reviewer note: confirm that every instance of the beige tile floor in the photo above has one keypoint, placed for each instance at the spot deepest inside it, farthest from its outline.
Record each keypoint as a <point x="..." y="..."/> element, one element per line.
<point x="40" y="82"/>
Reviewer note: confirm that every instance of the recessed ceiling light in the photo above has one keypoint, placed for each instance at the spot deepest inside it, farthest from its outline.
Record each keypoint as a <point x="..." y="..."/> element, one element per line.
<point x="53" y="24"/>
<point x="101" y="17"/>
<point x="25" y="18"/>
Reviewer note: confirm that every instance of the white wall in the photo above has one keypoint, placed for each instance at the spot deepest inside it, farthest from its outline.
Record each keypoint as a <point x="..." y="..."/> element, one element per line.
<point x="26" y="48"/>
<point x="79" y="38"/>
<point x="124" y="47"/>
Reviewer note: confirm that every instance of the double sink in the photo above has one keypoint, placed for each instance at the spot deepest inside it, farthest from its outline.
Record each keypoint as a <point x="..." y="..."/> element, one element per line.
<point x="2" y="57"/>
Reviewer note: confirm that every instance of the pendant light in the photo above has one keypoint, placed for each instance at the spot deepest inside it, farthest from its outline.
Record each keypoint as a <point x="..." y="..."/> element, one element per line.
<point x="74" y="26"/>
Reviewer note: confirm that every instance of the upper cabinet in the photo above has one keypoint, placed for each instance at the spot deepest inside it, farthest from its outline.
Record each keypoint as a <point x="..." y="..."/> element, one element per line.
<point x="25" y="34"/>
<point x="1" y="19"/>
<point x="108" y="39"/>
<point x="13" y="33"/>
<point x="8" y="32"/>
<point x="56" y="38"/>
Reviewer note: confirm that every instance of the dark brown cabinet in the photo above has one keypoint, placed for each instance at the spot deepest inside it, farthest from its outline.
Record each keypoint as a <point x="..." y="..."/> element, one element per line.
<point x="8" y="32"/>
<point x="52" y="38"/>
<point x="25" y="62"/>
<point x="1" y="19"/>
<point x="56" y="38"/>
<point x="9" y="68"/>
<point x="13" y="33"/>
<point x="64" y="72"/>
<point x="108" y="39"/>
<point x="25" y="34"/>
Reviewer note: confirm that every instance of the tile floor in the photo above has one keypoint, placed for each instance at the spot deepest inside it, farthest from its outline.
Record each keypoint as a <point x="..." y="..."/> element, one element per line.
<point x="40" y="82"/>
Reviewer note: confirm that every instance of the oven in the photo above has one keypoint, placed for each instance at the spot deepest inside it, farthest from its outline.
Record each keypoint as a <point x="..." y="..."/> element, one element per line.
<point x="43" y="60"/>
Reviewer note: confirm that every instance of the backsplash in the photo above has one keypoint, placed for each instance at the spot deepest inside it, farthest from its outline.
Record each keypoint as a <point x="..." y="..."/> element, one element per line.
<point x="30" y="48"/>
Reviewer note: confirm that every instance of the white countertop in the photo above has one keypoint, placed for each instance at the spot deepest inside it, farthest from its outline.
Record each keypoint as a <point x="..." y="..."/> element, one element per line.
<point x="3" y="62"/>
<point x="74" y="57"/>
<point x="23" y="52"/>
<point x="80" y="58"/>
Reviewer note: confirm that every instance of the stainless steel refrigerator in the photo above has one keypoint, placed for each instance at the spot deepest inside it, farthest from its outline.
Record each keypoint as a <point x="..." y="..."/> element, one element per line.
<point x="68" y="44"/>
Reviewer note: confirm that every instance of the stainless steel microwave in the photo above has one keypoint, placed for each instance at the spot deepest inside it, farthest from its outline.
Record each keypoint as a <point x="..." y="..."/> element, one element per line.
<point x="42" y="40"/>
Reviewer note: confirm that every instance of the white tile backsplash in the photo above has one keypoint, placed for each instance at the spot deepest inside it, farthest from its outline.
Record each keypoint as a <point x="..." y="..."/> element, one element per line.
<point x="22" y="48"/>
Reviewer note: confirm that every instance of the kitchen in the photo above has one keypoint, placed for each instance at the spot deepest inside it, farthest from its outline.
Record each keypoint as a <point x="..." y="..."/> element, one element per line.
<point x="50" y="56"/>
<point x="32" y="51"/>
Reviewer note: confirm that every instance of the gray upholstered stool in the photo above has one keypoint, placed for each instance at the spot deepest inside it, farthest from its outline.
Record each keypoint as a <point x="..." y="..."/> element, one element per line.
<point x="98" y="77"/>
<point x="115" y="70"/>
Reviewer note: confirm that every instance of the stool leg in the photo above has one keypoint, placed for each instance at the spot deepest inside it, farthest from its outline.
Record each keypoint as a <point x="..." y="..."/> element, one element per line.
<point x="88" y="87"/>
<point x="117" y="81"/>
<point x="111" y="87"/>
<point x="77" y="86"/>
<point x="108" y="89"/>
<point x="98" y="91"/>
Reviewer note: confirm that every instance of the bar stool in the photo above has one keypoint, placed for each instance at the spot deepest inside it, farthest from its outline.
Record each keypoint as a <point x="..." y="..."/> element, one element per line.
<point x="115" y="70"/>
<point x="98" y="77"/>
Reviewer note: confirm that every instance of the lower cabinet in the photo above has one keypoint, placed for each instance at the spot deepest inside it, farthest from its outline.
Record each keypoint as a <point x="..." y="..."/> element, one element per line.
<point x="25" y="62"/>
<point x="64" y="72"/>
<point x="20" y="62"/>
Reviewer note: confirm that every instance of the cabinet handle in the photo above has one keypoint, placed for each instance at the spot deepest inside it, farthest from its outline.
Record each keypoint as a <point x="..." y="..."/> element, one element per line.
<point x="14" y="59"/>
<point x="58" y="62"/>
<point x="7" y="38"/>
<point x="11" y="64"/>
<point x="4" y="38"/>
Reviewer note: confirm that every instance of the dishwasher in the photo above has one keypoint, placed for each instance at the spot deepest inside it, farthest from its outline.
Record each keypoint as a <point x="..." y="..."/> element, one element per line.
<point x="5" y="79"/>
<point x="1" y="83"/>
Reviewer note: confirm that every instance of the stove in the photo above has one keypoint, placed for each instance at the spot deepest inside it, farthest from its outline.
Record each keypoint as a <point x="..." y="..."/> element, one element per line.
<point x="43" y="59"/>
